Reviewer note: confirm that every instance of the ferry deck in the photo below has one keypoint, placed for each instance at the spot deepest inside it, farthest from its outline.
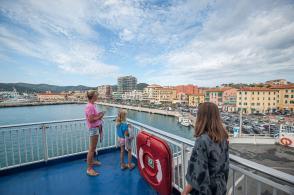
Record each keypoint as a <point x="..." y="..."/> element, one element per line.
<point x="49" y="158"/>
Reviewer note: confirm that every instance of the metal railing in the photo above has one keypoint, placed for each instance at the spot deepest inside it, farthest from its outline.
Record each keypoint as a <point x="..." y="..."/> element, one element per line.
<point x="38" y="142"/>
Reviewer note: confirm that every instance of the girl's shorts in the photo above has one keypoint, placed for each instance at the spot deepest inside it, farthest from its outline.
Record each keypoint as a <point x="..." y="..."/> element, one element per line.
<point x="125" y="142"/>
<point x="93" y="131"/>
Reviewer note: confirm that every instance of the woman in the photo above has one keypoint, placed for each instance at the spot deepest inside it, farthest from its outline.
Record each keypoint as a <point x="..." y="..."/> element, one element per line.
<point x="208" y="167"/>
<point x="94" y="124"/>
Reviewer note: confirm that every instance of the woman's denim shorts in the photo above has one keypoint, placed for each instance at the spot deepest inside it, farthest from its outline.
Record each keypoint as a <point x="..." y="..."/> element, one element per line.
<point x="93" y="131"/>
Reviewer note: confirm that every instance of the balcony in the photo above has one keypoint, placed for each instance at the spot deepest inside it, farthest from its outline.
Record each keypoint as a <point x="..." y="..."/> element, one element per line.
<point x="48" y="158"/>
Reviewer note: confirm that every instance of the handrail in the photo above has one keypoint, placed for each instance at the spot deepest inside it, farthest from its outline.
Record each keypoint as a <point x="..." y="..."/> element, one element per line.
<point x="48" y="122"/>
<point x="247" y="163"/>
<point x="250" y="164"/>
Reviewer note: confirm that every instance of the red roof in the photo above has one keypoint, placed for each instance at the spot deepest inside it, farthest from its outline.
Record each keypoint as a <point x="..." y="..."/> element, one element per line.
<point x="290" y="86"/>
<point x="256" y="89"/>
<point x="222" y="89"/>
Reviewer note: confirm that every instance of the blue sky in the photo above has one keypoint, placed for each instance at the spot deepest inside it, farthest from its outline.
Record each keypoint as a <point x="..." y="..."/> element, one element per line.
<point x="166" y="42"/>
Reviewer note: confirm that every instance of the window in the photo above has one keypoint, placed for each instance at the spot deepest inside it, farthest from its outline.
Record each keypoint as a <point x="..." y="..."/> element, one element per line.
<point x="240" y="92"/>
<point x="245" y="98"/>
<point x="245" y="93"/>
<point x="292" y="91"/>
<point x="274" y="104"/>
<point x="258" y="93"/>
<point x="240" y="103"/>
<point x="286" y="96"/>
<point x="269" y="104"/>
<point x="239" y="98"/>
<point x="286" y="90"/>
<point x="258" y="104"/>
<point x="252" y="104"/>
<point x="258" y="98"/>
<point x="286" y="102"/>
<point x="253" y="93"/>
<point x="269" y="98"/>
<point x="292" y="96"/>
<point x="252" y="98"/>
<point x="292" y="102"/>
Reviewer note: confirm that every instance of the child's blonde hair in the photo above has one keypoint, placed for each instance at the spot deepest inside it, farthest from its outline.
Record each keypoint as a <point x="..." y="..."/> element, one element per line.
<point x="121" y="117"/>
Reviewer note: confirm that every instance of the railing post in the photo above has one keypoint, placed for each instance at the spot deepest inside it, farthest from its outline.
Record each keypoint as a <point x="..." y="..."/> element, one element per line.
<point x="233" y="182"/>
<point x="45" y="146"/>
<point x="183" y="164"/>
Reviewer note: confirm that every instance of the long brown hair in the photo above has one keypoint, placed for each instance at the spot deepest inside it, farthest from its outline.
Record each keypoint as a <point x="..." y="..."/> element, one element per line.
<point x="209" y="121"/>
<point x="121" y="117"/>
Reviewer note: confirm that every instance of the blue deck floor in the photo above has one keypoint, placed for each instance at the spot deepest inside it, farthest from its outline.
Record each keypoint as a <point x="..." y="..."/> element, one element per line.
<point x="70" y="178"/>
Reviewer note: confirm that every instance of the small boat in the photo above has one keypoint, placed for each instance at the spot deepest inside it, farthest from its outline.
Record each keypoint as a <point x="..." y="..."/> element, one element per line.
<point x="186" y="122"/>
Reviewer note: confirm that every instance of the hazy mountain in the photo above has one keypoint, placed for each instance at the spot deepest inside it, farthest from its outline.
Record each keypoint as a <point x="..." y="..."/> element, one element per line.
<point x="30" y="88"/>
<point x="141" y="86"/>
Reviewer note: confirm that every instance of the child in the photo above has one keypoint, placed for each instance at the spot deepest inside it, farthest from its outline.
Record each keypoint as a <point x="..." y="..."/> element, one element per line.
<point x="125" y="139"/>
<point x="94" y="124"/>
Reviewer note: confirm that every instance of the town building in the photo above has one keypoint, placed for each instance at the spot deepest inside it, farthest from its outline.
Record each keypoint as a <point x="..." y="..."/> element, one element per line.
<point x="229" y="100"/>
<point x="195" y="100"/>
<point x="187" y="89"/>
<point x="277" y="82"/>
<point x="104" y="91"/>
<point x="52" y="97"/>
<point x="157" y="93"/>
<point x="117" y="95"/>
<point x="285" y="102"/>
<point x="135" y="95"/>
<point x="126" y="84"/>
<point x="217" y="95"/>
<point x="257" y="100"/>
<point x="77" y="96"/>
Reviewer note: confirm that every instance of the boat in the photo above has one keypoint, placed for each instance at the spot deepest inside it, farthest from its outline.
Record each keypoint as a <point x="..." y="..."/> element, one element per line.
<point x="186" y="122"/>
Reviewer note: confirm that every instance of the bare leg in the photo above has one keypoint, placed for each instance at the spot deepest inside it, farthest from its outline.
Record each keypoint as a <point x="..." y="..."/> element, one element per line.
<point x="122" y="150"/>
<point x="129" y="156"/>
<point x="92" y="147"/>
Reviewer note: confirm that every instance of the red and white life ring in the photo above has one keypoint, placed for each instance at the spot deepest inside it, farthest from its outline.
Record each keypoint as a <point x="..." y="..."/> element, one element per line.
<point x="158" y="165"/>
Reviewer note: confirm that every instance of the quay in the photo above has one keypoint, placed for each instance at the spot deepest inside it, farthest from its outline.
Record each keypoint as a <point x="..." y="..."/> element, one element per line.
<point x="142" y="109"/>
<point x="22" y="104"/>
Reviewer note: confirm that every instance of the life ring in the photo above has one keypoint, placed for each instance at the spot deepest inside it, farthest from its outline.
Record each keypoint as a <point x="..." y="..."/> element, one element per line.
<point x="159" y="174"/>
<point x="286" y="141"/>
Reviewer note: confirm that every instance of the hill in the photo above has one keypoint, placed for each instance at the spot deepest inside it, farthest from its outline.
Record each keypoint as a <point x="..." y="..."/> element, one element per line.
<point x="37" y="88"/>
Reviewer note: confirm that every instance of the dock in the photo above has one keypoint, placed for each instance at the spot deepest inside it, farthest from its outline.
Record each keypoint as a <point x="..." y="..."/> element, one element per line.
<point x="142" y="109"/>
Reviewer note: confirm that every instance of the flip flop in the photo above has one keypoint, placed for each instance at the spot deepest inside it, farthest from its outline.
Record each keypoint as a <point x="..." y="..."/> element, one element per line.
<point x="131" y="166"/>
<point x="92" y="173"/>
<point x="123" y="166"/>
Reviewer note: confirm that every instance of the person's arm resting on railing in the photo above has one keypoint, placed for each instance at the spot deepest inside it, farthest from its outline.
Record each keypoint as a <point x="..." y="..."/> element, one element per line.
<point x="197" y="174"/>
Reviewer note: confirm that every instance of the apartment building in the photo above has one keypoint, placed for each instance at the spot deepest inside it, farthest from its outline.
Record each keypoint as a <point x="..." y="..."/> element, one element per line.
<point x="157" y="93"/>
<point x="285" y="101"/>
<point x="126" y="84"/>
<point x="257" y="100"/>
<point x="187" y="89"/>
<point x="104" y="91"/>
<point x="133" y="95"/>
<point x="195" y="100"/>
<point x="221" y="95"/>
<point x="51" y="97"/>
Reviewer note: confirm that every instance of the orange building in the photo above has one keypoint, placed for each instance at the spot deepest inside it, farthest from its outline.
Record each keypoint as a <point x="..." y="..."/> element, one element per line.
<point x="187" y="89"/>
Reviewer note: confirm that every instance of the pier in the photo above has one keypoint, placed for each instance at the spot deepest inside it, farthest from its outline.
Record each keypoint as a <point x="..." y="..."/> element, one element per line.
<point x="142" y="109"/>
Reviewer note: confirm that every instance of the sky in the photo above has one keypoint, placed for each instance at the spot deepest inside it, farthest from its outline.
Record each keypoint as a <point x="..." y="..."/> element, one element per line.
<point x="92" y="42"/>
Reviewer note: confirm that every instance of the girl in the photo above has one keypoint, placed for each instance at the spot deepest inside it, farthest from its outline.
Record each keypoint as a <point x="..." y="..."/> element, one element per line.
<point x="94" y="124"/>
<point x="208" y="167"/>
<point x="124" y="139"/>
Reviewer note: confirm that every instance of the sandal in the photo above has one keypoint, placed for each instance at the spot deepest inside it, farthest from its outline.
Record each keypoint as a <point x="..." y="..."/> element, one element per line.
<point x="131" y="166"/>
<point x="123" y="166"/>
<point x="92" y="172"/>
<point x="96" y="163"/>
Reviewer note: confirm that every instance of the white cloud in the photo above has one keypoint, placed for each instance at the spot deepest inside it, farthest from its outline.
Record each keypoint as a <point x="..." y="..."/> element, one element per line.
<point x="184" y="41"/>
<point x="55" y="31"/>
<point x="251" y="41"/>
